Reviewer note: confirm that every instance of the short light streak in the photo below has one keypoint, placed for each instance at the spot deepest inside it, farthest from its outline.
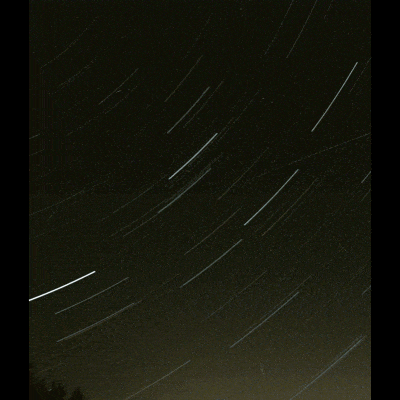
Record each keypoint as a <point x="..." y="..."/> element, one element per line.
<point x="61" y="287"/>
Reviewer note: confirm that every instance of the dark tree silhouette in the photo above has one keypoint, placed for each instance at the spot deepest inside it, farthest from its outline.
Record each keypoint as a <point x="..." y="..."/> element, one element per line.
<point x="39" y="390"/>
<point x="57" y="391"/>
<point x="77" y="395"/>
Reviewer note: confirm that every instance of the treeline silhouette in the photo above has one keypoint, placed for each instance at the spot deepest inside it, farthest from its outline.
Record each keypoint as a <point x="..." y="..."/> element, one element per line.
<point x="40" y="390"/>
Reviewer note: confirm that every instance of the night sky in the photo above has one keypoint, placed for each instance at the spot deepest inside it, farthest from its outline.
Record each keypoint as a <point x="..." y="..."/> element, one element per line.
<point x="200" y="198"/>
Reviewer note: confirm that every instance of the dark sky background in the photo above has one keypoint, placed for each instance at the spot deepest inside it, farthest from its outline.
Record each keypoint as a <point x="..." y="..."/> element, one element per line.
<point x="275" y="200"/>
